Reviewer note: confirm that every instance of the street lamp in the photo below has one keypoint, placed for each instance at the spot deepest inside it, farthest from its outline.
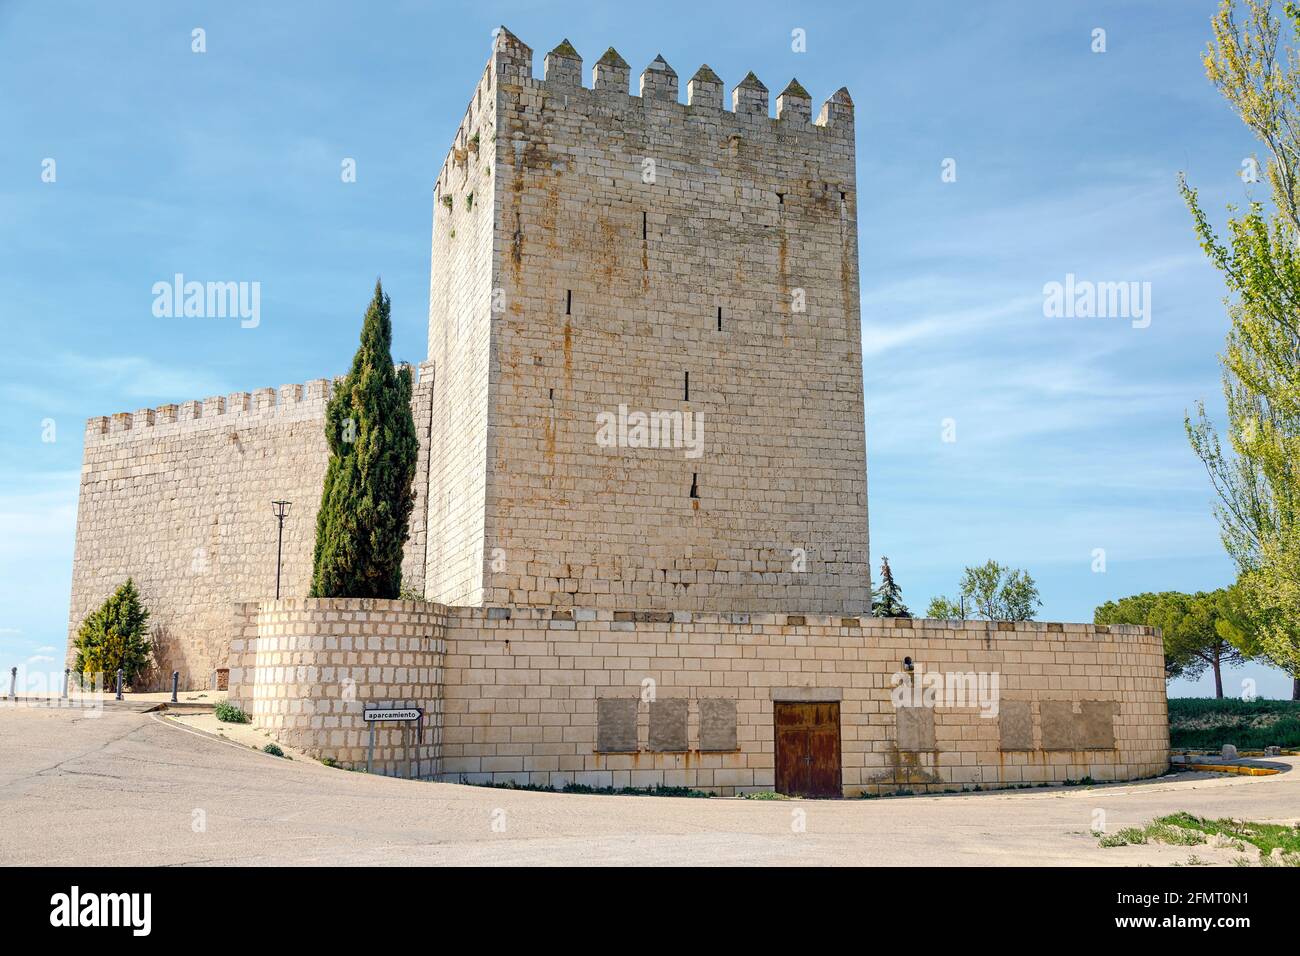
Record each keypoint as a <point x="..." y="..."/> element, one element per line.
<point x="281" y="512"/>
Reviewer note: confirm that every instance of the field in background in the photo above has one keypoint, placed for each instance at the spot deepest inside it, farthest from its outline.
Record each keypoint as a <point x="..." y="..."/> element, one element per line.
<point x="1206" y="723"/>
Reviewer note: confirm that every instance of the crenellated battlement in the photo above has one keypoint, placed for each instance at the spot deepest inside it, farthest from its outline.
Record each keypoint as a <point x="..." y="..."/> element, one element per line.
<point x="294" y="402"/>
<point x="512" y="62"/>
<point x="749" y="103"/>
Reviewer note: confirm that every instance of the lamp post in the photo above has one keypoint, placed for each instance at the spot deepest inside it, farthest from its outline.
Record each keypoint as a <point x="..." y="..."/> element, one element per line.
<point x="281" y="509"/>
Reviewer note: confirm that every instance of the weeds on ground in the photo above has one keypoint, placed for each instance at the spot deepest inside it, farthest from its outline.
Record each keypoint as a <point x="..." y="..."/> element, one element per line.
<point x="1265" y="837"/>
<point x="1277" y="844"/>
<point x="655" y="791"/>
<point x="231" y="713"/>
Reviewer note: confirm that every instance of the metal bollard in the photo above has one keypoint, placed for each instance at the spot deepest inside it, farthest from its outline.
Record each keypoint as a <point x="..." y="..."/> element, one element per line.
<point x="119" y="683"/>
<point x="176" y="676"/>
<point x="67" y="671"/>
<point x="13" y="683"/>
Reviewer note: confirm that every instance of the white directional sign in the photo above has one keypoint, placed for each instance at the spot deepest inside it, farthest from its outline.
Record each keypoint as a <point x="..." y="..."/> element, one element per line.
<point x="377" y="713"/>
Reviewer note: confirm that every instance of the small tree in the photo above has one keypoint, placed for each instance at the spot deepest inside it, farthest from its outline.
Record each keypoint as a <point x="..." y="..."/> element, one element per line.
<point x="889" y="597"/>
<point x="115" y="636"/>
<point x="944" y="610"/>
<point x="367" y="500"/>
<point x="992" y="592"/>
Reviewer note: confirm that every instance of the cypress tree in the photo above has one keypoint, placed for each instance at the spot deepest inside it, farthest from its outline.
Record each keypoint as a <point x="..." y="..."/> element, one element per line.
<point x="366" y="504"/>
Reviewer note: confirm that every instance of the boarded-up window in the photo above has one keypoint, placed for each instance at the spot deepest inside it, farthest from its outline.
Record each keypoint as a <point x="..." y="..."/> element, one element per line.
<point x="915" y="728"/>
<point x="718" y="724"/>
<point x="1015" y="725"/>
<point x="1057" y="719"/>
<point x="1093" y="728"/>
<point x="668" y="724"/>
<point x="616" y="724"/>
<point x="1096" y="725"/>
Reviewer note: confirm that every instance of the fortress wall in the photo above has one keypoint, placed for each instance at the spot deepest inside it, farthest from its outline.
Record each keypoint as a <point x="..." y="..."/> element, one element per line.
<point x="460" y="319"/>
<point x="417" y="542"/>
<point x="523" y="687"/>
<point x="612" y="287"/>
<point x="179" y="498"/>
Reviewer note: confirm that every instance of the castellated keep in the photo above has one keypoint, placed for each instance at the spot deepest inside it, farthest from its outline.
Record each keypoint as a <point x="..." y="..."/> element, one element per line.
<point x="592" y="250"/>
<point x="638" y="556"/>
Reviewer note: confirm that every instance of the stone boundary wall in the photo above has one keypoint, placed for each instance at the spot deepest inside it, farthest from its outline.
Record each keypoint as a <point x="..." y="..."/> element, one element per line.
<point x="305" y="668"/>
<point x="523" y="687"/>
<point x="179" y="498"/>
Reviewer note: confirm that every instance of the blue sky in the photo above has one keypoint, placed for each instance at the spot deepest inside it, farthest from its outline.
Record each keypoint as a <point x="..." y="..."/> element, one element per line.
<point x="226" y="165"/>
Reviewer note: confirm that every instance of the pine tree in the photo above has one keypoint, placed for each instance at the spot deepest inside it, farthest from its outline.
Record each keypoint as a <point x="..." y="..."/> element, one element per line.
<point x="367" y="500"/>
<point x="115" y="636"/>
<point x="889" y="598"/>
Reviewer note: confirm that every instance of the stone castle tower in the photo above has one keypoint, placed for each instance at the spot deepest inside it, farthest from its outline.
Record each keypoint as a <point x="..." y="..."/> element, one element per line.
<point x="596" y="254"/>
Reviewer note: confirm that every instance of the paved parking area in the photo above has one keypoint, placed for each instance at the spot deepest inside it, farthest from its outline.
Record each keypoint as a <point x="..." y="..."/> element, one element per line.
<point x="130" y="788"/>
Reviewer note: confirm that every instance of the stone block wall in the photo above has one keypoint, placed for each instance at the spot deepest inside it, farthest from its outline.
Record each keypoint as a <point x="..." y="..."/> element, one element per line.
<point x="306" y="669"/>
<point x="461" y="303"/>
<point x="179" y="498"/>
<point x="552" y="697"/>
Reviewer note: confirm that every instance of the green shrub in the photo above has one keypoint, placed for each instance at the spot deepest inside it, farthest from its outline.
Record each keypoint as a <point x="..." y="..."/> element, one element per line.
<point x="273" y="750"/>
<point x="1203" y="723"/>
<point x="231" y="713"/>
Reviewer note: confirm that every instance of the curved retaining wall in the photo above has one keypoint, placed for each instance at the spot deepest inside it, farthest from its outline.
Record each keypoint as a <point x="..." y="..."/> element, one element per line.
<point x="306" y="668"/>
<point x="648" y="698"/>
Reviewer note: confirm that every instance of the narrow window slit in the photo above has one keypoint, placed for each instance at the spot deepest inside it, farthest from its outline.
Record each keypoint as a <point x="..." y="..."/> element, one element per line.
<point x="644" y="226"/>
<point x="568" y="302"/>
<point x="695" y="484"/>
<point x="686" y="387"/>
<point x="719" y="318"/>
<point x="780" y="198"/>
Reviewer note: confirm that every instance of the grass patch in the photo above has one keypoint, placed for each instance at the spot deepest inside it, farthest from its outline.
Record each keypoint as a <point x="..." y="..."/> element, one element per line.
<point x="1265" y="837"/>
<point x="1185" y="829"/>
<point x="1203" y="723"/>
<point x="1129" y="836"/>
<point x="1157" y="831"/>
<point x="764" y="795"/>
<point x="231" y="713"/>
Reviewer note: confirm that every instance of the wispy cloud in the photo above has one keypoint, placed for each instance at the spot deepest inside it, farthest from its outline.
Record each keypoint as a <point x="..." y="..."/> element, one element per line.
<point x="62" y="382"/>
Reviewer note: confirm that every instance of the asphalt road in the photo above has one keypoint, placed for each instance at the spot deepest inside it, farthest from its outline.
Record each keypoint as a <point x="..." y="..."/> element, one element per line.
<point x="129" y="788"/>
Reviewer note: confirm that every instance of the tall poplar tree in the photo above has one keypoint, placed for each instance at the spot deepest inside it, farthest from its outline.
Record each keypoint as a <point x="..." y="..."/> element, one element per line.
<point x="367" y="500"/>
<point x="1256" y="471"/>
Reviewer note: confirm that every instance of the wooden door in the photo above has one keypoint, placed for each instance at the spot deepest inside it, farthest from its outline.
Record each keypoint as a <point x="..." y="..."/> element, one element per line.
<point x="808" y="749"/>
